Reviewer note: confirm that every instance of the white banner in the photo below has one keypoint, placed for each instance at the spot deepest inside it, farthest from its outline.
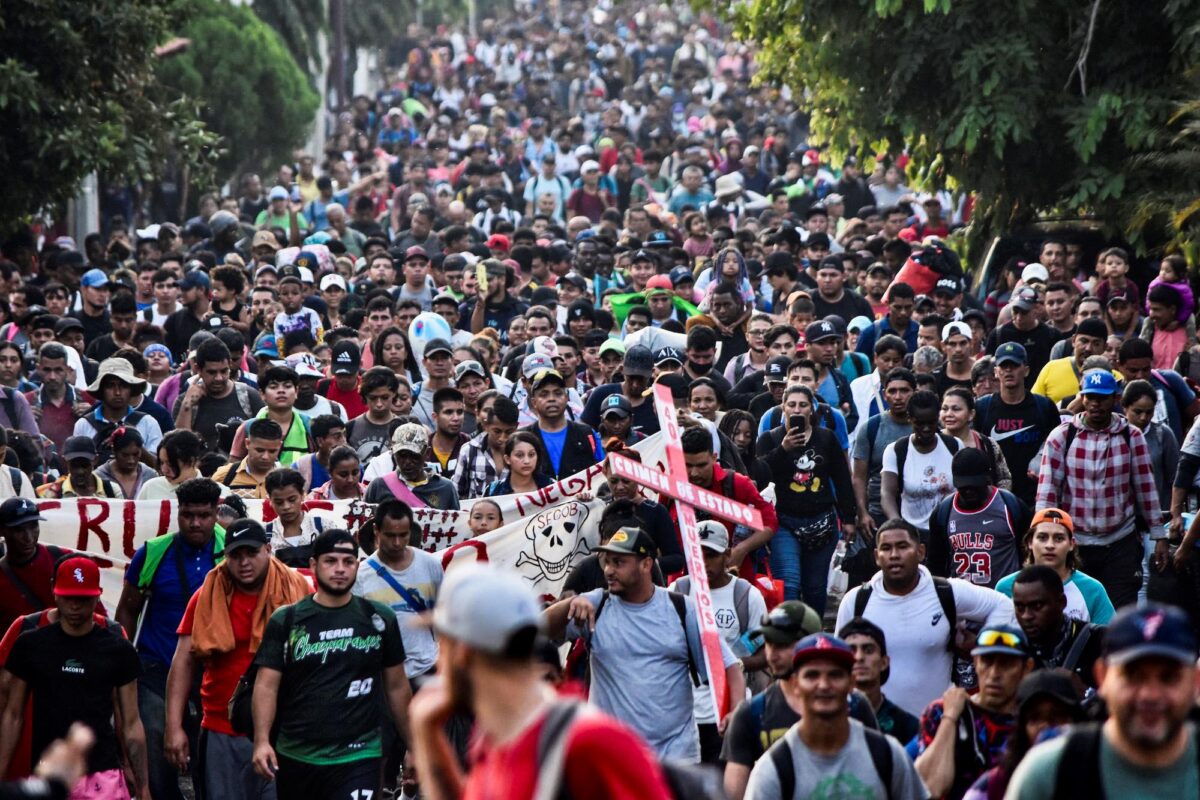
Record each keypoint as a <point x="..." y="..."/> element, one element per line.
<point x="543" y="533"/>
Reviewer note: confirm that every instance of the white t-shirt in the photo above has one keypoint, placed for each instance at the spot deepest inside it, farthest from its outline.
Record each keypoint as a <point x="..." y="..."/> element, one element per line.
<point x="422" y="578"/>
<point x="926" y="480"/>
<point x="9" y="489"/>
<point x="725" y="614"/>
<point x="917" y="631"/>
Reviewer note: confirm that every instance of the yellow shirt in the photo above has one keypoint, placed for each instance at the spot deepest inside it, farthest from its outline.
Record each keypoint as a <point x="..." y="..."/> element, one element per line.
<point x="1059" y="379"/>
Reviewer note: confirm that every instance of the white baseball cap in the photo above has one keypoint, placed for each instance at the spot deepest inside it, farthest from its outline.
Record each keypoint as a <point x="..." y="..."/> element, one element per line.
<point x="333" y="279"/>
<point x="484" y="607"/>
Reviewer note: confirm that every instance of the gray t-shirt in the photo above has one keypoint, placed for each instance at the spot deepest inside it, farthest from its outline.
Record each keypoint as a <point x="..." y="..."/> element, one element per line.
<point x="424" y="297"/>
<point x="640" y="674"/>
<point x="421" y="578"/>
<point x="228" y="410"/>
<point x="889" y="431"/>
<point x="848" y="773"/>
<point x="369" y="439"/>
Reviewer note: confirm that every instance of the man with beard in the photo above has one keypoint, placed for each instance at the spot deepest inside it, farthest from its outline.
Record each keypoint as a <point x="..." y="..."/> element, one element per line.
<point x="498" y="308"/>
<point x="326" y="666"/>
<point x="218" y="636"/>
<point x="1146" y="748"/>
<point x="487" y="621"/>
<point x="658" y="704"/>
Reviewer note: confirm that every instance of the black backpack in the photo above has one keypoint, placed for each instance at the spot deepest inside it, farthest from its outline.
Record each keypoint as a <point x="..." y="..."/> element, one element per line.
<point x="902" y="447"/>
<point x="241" y="702"/>
<point x="685" y="781"/>
<point x="1078" y="773"/>
<point x="877" y="743"/>
<point x="945" y="595"/>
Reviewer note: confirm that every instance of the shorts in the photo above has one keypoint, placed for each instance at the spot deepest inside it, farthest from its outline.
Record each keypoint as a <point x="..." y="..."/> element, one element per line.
<point x="353" y="780"/>
<point x="107" y="785"/>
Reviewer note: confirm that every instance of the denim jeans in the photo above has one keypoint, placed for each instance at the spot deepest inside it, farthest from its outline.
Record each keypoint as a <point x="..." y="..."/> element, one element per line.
<point x="804" y="573"/>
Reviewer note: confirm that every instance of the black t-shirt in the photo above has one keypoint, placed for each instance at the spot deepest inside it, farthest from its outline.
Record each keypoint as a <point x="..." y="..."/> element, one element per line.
<point x="494" y="316"/>
<point x="944" y="381"/>
<point x="71" y="679"/>
<point x="331" y="695"/>
<point x="93" y="327"/>
<point x="645" y="418"/>
<point x="1037" y="344"/>
<point x="747" y="738"/>
<point x="178" y="331"/>
<point x="850" y="305"/>
<point x="1020" y="430"/>
<point x="731" y="347"/>
<point x="102" y="347"/>
<point x="227" y="410"/>
<point x="896" y="722"/>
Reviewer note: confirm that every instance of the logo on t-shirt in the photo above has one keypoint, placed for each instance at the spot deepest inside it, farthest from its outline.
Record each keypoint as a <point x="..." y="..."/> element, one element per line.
<point x="73" y="665"/>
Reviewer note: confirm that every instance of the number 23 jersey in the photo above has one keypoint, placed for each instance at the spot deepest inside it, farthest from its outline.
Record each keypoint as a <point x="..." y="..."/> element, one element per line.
<point x="333" y="661"/>
<point x="983" y="544"/>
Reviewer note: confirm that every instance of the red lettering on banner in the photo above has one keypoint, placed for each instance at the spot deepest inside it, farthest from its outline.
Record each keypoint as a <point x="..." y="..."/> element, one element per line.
<point x="164" y="523"/>
<point x="479" y="547"/>
<point x="88" y="525"/>
<point x="130" y="528"/>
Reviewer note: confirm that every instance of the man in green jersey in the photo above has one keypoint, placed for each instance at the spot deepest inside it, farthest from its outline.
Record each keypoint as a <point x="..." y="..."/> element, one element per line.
<point x="333" y="653"/>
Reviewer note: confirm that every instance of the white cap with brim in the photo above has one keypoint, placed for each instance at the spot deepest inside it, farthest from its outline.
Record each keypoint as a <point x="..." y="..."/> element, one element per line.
<point x="484" y="608"/>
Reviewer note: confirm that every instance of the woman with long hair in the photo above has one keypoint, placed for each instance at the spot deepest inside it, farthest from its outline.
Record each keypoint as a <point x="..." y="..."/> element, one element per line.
<point x="1139" y="401"/>
<point x="345" y="477"/>
<point x="1051" y="541"/>
<point x="179" y="455"/>
<point x="522" y="457"/>
<point x="740" y="426"/>
<point x="391" y="349"/>
<point x="125" y="468"/>
<point x="957" y="416"/>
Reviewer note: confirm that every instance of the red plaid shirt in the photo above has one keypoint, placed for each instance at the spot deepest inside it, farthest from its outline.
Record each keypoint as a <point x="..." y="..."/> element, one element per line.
<point x="1102" y="482"/>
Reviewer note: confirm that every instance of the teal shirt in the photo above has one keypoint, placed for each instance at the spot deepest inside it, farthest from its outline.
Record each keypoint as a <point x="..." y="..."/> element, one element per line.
<point x="1035" y="777"/>
<point x="1086" y="598"/>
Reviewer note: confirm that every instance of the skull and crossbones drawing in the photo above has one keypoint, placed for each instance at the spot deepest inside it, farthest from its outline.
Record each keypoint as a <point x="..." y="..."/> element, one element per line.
<point x="557" y="542"/>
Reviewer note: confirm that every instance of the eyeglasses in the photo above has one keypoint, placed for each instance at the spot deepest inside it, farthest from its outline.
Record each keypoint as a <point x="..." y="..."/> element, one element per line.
<point x="991" y="638"/>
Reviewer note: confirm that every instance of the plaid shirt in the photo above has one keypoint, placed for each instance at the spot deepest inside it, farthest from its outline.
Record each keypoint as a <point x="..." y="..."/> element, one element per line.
<point x="476" y="469"/>
<point x="1100" y="482"/>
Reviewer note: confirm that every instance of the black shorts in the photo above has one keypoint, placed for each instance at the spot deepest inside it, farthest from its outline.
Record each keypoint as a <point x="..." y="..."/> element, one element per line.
<point x="354" y="780"/>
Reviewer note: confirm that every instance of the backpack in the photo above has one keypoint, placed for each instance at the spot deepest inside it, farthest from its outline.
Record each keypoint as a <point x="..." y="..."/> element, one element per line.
<point x="741" y="599"/>
<point x="945" y="595"/>
<point x="902" y="447"/>
<point x="685" y="781"/>
<point x="1078" y="773"/>
<point x="104" y="428"/>
<point x="877" y="744"/>
<point x="679" y="601"/>
<point x="23" y="588"/>
<point x="241" y="706"/>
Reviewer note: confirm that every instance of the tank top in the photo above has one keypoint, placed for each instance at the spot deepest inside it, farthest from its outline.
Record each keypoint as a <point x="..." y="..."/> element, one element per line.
<point x="983" y="545"/>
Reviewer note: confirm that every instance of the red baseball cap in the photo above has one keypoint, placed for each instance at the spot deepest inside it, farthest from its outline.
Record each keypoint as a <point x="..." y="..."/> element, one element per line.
<point x="498" y="241"/>
<point x="77" y="577"/>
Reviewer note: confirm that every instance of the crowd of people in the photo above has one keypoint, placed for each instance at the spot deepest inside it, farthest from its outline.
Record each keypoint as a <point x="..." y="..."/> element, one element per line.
<point x="472" y="293"/>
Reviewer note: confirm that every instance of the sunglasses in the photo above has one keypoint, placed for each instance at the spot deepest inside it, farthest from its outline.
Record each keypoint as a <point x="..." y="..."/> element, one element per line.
<point x="992" y="638"/>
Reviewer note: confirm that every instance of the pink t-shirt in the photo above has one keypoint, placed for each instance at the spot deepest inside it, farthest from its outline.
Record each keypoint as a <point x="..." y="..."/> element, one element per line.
<point x="1167" y="346"/>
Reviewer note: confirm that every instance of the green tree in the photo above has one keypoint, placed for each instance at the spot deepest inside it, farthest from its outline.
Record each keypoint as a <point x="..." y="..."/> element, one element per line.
<point x="250" y="88"/>
<point x="1037" y="105"/>
<point x="79" y="94"/>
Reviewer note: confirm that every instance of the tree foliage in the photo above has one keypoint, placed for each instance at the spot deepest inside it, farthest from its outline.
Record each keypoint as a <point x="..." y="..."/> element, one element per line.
<point x="299" y="24"/>
<point x="1037" y="105"/>
<point x="78" y="94"/>
<point x="251" y="90"/>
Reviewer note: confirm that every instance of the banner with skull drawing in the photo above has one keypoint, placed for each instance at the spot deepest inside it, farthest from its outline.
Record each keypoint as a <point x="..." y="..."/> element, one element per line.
<point x="543" y="534"/>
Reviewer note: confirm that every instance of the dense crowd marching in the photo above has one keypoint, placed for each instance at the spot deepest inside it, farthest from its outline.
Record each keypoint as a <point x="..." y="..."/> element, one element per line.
<point x="471" y="294"/>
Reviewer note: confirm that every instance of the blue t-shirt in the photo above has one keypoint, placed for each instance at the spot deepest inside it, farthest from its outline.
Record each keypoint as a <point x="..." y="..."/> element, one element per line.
<point x="554" y="446"/>
<point x="167" y="599"/>
<point x="827" y="390"/>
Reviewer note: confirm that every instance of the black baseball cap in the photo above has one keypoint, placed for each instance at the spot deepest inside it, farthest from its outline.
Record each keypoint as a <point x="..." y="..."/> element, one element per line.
<point x="630" y="541"/>
<point x="18" y="511"/>
<point x="776" y="370"/>
<point x="346" y="358"/>
<point x="948" y="286"/>
<point x="437" y="346"/>
<point x="333" y="541"/>
<point x="245" y="533"/>
<point x="616" y="404"/>
<point x="970" y="467"/>
<point x="1054" y="683"/>
<point x="821" y="329"/>
<point x="638" y="361"/>
<point x="581" y="309"/>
